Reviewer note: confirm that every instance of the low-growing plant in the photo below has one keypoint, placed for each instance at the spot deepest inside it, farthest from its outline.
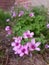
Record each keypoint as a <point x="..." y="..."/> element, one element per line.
<point x="35" y="21"/>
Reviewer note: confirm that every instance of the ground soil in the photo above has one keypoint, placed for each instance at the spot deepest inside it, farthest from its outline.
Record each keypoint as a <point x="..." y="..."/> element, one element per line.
<point x="7" y="56"/>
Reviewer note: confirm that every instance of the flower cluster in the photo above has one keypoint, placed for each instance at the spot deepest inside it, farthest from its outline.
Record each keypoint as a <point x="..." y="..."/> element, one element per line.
<point x="22" y="50"/>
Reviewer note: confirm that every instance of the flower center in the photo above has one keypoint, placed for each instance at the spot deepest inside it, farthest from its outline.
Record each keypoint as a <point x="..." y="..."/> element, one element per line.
<point x="23" y="50"/>
<point x="28" y="35"/>
<point x="17" y="44"/>
<point x="33" y="46"/>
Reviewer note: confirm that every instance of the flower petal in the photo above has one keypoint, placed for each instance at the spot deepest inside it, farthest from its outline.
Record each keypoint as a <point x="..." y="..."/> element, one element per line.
<point x="25" y="36"/>
<point x="15" y="49"/>
<point x="46" y="46"/>
<point x="21" y="54"/>
<point x="15" y="53"/>
<point x="26" y="52"/>
<point x="33" y="41"/>
<point x="37" y="44"/>
<point x="38" y="49"/>
<point x="32" y="33"/>
<point x="13" y="44"/>
<point x="28" y="31"/>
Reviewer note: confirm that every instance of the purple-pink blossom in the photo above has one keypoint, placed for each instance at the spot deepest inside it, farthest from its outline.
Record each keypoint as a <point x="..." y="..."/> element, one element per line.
<point x="31" y="14"/>
<point x="28" y="34"/>
<point x="21" y="13"/>
<point x="14" y="14"/>
<point x="47" y="25"/>
<point x="7" y="20"/>
<point x="7" y="28"/>
<point x="22" y="50"/>
<point x="17" y="42"/>
<point x="15" y="45"/>
<point x="34" y="45"/>
<point x="46" y="46"/>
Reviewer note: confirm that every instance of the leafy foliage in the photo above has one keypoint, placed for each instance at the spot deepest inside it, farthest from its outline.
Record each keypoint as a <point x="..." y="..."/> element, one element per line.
<point x="37" y="24"/>
<point x="3" y="17"/>
<point x="25" y="22"/>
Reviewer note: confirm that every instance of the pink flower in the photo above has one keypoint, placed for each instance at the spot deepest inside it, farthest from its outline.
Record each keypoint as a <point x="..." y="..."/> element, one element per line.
<point x="23" y="51"/>
<point x="7" y="20"/>
<point x="27" y="34"/>
<point x="14" y="14"/>
<point x="15" y="44"/>
<point x="34" y="46"/>
<point x="7" y="28"/>
<point x="16" y="47"/>
<point x="21" y="13"/>
<point x="31" y="14"/>
<point x="47" y="25"/>
<point x="46" y="46"/>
